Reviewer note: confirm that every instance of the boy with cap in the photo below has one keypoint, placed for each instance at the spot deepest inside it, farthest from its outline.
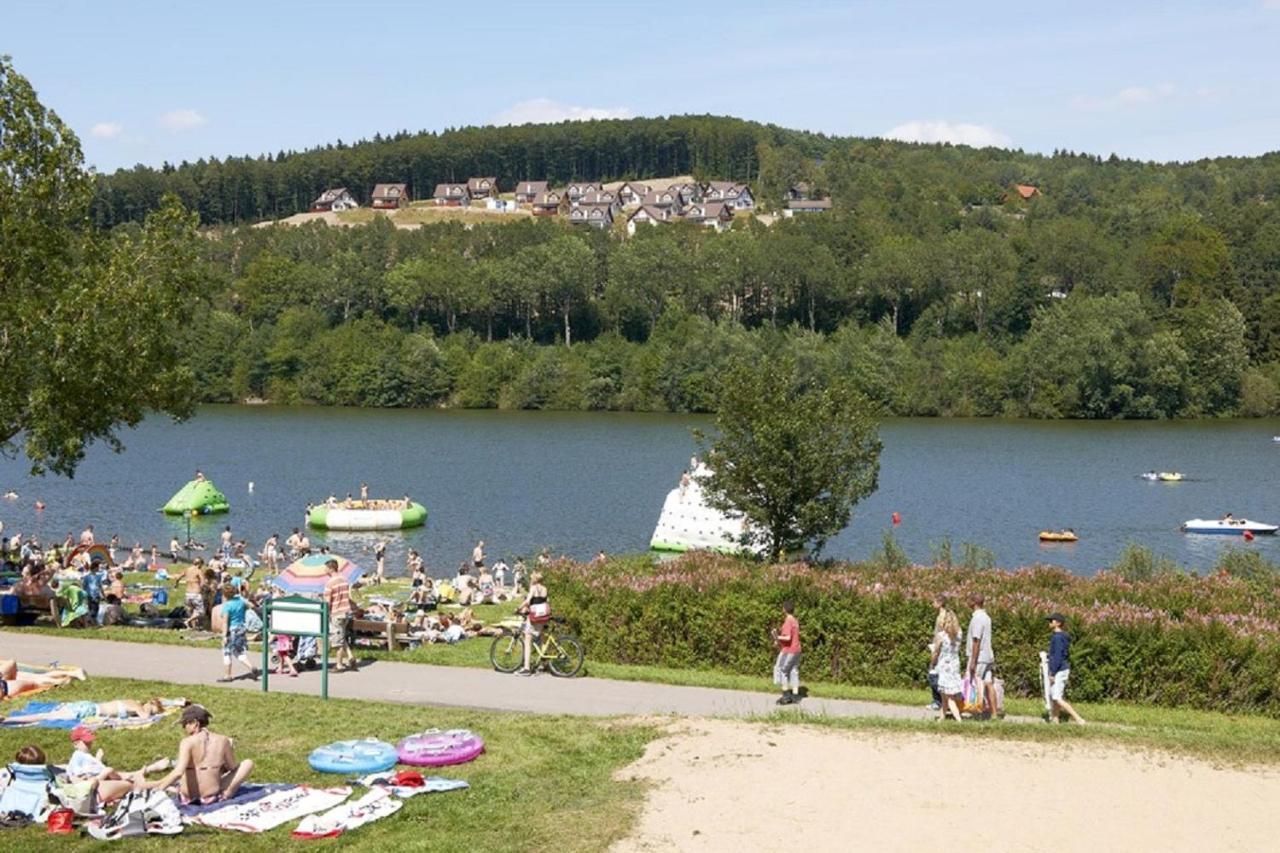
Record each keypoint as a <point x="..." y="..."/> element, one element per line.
<point x="206" y="770"/>
<point x="1060" y="669"/>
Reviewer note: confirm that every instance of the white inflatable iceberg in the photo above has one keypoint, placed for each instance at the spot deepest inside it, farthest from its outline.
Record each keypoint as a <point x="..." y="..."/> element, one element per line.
<point x="688" y="523"/>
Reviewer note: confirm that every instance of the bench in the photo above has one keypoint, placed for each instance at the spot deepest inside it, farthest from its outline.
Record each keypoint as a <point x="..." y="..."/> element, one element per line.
<point x="395" y="633"/>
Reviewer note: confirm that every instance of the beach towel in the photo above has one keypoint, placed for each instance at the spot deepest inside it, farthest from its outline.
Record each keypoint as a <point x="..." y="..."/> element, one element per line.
<point x="276" y="808"/>
<point x="430" y="784"/>
<point x="374" y="805"/>
<point x="33" y="668"/>
<point x="171" y="706"/>
<point x="247" y="794"/>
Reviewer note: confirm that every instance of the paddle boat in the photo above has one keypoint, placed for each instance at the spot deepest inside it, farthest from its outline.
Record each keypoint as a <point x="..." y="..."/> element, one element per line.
<point x="1067" y="535"/>
<point x="198" y="497"/>
<point x="367" y="515"/>
<point x="1227" y="526"/>
<point x="689" y="523"/>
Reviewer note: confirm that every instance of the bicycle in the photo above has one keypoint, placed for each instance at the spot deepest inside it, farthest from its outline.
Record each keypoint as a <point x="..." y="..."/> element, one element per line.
<point x="562" y="653"/>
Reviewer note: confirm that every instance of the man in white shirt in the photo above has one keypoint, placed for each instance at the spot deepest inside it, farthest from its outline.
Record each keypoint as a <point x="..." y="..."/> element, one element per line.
<point x="982" y="658"/>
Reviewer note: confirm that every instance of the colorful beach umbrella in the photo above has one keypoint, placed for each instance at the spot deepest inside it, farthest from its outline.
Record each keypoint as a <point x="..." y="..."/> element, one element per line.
<point x="308" y="575"/>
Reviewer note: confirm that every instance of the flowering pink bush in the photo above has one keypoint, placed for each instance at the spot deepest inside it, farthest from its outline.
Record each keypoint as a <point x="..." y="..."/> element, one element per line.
<point x="1208" y="641"/>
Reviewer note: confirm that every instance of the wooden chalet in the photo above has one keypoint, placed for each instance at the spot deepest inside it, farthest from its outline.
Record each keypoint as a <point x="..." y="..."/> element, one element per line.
<point x="527" y="191"/>
<point x="482" y="187"/>
<point x="594" y="215"/>
<point x="335" y="199"/>
<point x="389" y="196"/>
<point x="548" y="203"/>
<point x="712" y="214"/>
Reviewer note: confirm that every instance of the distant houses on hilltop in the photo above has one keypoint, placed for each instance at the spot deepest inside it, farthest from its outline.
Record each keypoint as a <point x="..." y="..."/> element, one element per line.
<point x="711" y="204"/>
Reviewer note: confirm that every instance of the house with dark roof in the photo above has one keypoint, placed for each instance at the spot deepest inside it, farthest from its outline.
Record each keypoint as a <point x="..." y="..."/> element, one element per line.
<point x="482" y="187"/>
<point x="648" y="215"/>
<point x="596" y="197"/>
<point x="668" y="199"/>
<point x="389" y="196"/>
<point x="452" y="195"/>
<point x="337" y="198"/>
<point x="632" y="192"/>
<point x="736" y="195"/>
<point x="575" y="190"/>
<point x="594" y="215"/>
<point x="548" y="203"/>
<point x="712" y="214"/>
<point x="527" y="191"/>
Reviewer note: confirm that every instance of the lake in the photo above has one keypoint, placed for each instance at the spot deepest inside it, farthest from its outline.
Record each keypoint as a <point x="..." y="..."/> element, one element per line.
<point x="582" y="482"/>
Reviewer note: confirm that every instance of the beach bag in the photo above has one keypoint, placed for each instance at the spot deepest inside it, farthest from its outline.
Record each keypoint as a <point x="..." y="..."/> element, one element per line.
<point x="999" y="691"/>
<point x="140" y="813"/>
<point x="971" y="696"/>
<point x="540" y="613"/>
<point x="59" y="822"/>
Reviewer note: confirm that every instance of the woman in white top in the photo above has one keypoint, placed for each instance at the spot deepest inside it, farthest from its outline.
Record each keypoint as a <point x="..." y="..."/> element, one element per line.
<point x="946" y="658"/>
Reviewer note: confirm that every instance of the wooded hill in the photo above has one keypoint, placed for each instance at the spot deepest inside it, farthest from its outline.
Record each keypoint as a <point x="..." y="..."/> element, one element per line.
<point x="953" y="280"/>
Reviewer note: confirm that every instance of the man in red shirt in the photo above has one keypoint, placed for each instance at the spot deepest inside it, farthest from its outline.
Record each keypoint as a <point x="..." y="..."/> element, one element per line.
<point x="786" y="671"/>
<point x="337" y="594"/>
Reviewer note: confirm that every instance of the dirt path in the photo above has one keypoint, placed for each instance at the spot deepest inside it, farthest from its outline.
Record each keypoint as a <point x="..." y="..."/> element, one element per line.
<point x="722" y="785"/>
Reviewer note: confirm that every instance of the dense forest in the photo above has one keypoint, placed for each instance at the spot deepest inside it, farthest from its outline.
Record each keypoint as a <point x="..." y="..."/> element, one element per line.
<point x="1118" y="289"/>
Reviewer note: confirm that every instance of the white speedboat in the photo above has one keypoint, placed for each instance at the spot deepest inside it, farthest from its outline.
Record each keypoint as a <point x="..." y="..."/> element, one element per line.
<point x="1227" y="526"/>
<point x="1163" y="476"/>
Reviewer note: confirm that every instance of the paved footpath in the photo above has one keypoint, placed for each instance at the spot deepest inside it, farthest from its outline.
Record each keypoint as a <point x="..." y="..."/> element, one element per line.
<point x="423" y="684"/>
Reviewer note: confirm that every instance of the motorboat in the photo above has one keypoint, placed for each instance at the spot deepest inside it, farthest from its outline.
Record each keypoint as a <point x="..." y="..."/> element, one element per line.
<point x="1227" y="526"/>
<point x="1163" y="476"/>
<point x="1067" y="535"/>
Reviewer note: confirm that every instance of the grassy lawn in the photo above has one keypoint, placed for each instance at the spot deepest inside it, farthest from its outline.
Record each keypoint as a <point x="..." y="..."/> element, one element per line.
<point x="543" y="782"/>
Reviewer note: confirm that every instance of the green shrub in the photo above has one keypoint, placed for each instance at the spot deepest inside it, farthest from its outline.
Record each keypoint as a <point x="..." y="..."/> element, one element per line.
<point x="1170" y="639"/>
<point x="1139" y="563"/>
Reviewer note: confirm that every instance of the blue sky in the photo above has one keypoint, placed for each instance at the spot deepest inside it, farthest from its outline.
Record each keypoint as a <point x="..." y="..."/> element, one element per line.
<point x="151" y="82"/>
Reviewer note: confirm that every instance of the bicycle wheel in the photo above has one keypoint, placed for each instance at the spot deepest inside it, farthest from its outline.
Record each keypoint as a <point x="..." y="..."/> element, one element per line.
<point x="507" y="652"/>
<point x="565" y="658"/>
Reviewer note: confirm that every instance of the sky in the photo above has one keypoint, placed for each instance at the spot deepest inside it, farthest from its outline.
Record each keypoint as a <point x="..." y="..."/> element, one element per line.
<point x="155" y="82"/>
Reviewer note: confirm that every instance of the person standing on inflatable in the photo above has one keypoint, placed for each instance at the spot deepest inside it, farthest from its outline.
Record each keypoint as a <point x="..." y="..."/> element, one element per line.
<point x="786" y="669"/>
<point x="1060" y="669"/>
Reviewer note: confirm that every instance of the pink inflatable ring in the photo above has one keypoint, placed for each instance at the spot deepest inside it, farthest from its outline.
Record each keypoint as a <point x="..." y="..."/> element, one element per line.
<point x="434" y="748"/>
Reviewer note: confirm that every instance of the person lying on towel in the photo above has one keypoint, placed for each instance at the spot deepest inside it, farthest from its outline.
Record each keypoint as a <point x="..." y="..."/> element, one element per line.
<point x="120" y="709"/>
<point x="206" y="770"/>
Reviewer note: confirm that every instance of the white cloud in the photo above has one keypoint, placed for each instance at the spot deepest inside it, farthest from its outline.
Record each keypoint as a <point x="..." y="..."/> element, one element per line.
<point x="1129" y="96"/>
<point x="106" y="130"/>
<point x="180" y="120"/>
<point x="1272" y="5"/>
<point x="547" y="111"/>
<point x="959" y="133"/>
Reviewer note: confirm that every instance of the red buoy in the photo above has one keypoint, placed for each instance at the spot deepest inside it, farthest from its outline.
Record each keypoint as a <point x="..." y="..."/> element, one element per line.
<point x="1248" y="536"/>
<point x="897" y="519"/>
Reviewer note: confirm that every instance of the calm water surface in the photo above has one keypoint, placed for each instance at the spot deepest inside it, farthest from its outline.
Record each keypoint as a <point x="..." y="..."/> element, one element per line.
<point x="581" y="482"/>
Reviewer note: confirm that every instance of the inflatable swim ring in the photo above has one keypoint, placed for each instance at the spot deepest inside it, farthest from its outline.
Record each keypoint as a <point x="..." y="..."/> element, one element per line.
<point x="198" y="497"/>
<point x="434" y="748"/>
<point x="359" y="517"/>
<point x="353" y="757"/>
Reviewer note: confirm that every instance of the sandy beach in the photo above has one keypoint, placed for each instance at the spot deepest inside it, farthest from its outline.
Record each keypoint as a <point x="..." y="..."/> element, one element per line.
<point x="734" y="786"/>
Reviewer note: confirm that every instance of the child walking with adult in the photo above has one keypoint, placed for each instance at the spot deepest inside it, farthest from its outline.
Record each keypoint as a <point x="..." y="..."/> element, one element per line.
<point x="1060" y="669"/>
<point x="786" y="669"/>
<point x="945" y="662"/>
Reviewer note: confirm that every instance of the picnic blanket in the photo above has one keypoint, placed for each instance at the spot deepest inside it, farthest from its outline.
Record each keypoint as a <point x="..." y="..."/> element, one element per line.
<point x="374" y="805"/>
<point x="170" y="707"/>
<point x="274" y="808"/>
<point x="430" y="784"/>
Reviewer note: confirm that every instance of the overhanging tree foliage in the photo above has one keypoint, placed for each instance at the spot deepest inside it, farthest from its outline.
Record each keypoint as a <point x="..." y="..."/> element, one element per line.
<point x="793" y="458"/>
<point x="87" y="334"/>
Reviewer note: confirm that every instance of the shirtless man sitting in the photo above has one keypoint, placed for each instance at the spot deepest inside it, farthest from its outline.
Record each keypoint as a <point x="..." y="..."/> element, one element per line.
<point x="206" y="771"/>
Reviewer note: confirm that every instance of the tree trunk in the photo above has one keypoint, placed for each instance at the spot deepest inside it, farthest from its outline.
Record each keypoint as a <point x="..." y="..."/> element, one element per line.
<point x="567" y="339"/>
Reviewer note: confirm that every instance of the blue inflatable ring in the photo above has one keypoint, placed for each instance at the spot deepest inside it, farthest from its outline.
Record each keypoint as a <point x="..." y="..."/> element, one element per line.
<point x="353" y="757"/>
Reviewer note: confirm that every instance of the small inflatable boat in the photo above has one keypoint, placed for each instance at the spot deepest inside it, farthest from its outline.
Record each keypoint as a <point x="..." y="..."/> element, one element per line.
<point x="434" y="748"/>
<point x="1058" y="536"/>
<point x="370" y="515"/>
<point x="1227" y="526"/>
<point x="353" y="757"/>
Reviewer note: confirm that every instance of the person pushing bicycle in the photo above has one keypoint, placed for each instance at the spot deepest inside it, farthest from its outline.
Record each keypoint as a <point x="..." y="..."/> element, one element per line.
<point x="537" y="612"/>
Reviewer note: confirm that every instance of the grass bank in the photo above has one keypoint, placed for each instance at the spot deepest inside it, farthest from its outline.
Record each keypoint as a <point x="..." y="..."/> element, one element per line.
<point x="543" y="782"/>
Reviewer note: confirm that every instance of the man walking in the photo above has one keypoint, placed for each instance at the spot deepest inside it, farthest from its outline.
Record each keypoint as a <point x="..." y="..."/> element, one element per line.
<point x="982" y="659"/>
<point x="337" y="594"/>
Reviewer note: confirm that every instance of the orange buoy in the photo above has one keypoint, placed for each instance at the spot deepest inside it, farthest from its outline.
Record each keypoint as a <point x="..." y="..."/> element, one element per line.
<point x="897" y="519"/>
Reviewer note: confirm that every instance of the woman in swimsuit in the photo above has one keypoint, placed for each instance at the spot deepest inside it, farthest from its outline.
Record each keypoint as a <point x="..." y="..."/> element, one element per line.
<point x="15" y="683"/>
<point x="206" y="770"/>
<point x="120" y="709"/>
